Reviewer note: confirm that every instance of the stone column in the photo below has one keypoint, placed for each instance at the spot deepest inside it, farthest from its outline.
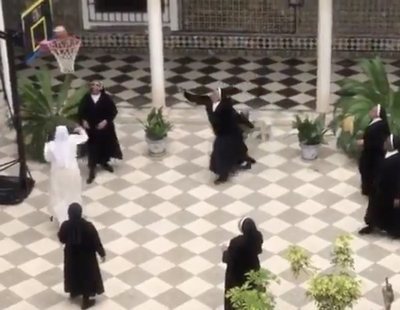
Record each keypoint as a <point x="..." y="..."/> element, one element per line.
<point x="4" y="59"/>
<point x="324" y="55"/>
<point x="156" y="46"/>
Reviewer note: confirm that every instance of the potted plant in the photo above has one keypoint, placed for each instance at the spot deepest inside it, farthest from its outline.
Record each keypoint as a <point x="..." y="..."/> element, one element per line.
<point x="335" y="289"/>
<point x="156" y="128"/>
<point x="43" y="109"/>
<point x="254" y="293"/>
<point x="311" y="135"/>
<point x="357" y="99"/>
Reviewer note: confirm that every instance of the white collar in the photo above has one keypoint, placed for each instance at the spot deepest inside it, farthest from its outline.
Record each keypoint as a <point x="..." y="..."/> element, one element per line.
<point x="390" y="154"/>
<point x="215" y="105"/>
<point x="95" y="98"/>
<point x="375" y="120"/>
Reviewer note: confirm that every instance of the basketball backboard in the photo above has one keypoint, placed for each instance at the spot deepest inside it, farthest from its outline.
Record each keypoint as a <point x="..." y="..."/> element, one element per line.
<point x="37" y="25"/>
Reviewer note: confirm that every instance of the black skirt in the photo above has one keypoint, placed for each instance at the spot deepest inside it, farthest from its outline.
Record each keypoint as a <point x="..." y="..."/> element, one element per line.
<point x="227" y="154"/>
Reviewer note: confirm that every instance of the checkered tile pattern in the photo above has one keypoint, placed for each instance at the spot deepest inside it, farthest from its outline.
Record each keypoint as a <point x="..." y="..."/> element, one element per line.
<point x="266" y="83"/>
<point x="162" y="222"/>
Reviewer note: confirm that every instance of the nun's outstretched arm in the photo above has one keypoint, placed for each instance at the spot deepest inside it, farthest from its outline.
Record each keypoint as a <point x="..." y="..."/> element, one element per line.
<point x="197" y="99"/>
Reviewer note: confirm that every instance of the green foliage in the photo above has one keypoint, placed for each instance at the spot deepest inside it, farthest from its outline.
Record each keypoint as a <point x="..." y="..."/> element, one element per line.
<point x="42" y="109"/>
<point x="342" y="254"/>
<point x="338" y="289"/>
<point x="358" y="98"/>
<point x="156" y="126"/>
<point x="300" y="260"/>
<point x="254" y="294"/>
<point x="310" y="132"/>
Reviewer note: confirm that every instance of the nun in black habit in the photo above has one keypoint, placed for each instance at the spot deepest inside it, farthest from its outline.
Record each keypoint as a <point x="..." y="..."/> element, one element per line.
<point x="381" y="202"/>
<point x="241" y="256"/>
<point x="81" y="269"/>
<point x="96" y="113"/>
<point x="373" y="150"/>
<point x="229" y="152"/>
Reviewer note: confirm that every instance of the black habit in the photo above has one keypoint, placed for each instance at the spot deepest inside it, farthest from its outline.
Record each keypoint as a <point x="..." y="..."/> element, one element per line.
<point x="241" y="257"/>
<point x="229" y="148"/>
<point x="381" y="200"/>
<point x="103" y="143"/>
<point x="81" y="268"/>
<point x="373" y="153"/>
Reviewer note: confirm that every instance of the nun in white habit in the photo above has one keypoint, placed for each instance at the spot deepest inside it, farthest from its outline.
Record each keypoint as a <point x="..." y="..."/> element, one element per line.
<point x="65" y="176"/>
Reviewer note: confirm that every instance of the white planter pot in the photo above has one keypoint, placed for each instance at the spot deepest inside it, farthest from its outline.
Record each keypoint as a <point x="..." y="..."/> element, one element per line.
<point x="157" y="147"/>
<point x="309" y="152"/>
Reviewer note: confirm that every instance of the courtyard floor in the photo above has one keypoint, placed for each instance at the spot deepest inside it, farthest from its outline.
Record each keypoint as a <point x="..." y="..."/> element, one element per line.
<point x="162" y="221"/>
<point x="267" y="83"/>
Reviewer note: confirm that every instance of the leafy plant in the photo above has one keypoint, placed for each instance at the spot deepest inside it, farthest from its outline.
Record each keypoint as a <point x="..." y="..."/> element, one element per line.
<point x="338" y="289"/>
<point x="254" y="294"/>
<point x="43" y="109"/>
<point x="156" y="126"/>
<point x="358" y="98"/>
<point x="310" y="132"/>
<point x="299" y="259"/>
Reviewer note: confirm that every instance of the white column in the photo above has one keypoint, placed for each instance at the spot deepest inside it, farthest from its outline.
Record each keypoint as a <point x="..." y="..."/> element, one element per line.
<point x="324" y="55"/>
<point x="156" y="52"/>
<point x="4" y="59"/>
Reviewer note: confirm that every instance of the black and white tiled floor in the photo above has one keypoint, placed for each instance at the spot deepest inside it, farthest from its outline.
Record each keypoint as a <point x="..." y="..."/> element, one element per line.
<point x="266" y="83"/>
<point x="162" y="221"/>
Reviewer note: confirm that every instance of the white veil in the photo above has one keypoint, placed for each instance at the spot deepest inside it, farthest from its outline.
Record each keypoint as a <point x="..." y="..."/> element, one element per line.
<point x="61" y="147"/>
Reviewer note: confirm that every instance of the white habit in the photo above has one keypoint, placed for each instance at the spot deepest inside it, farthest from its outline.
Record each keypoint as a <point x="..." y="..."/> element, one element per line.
<point x="65" y="176"/>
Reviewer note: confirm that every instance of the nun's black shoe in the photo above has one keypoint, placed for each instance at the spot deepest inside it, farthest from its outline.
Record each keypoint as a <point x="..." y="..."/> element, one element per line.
<point x="245" y="166"/>
<point x="251" y="159"/>
<point x="108" y="168"/>
<point x="90" y="179"/>
<point x="51" y="218"/>
<point x="220" y="180"/>
<point x="366" y="230"/>
<point x="88" y="303"/>
<point x="73" y="296"/>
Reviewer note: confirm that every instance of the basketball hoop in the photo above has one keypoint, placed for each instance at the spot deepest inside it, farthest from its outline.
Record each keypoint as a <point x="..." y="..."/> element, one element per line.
<point x="65" y="51"/>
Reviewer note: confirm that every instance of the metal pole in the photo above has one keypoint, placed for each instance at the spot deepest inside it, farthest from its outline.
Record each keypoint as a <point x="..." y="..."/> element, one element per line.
<point x="23" y="169"/>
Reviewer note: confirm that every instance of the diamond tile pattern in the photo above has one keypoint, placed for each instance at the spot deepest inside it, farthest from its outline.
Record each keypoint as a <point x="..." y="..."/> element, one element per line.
<point x="162" y="223"/>
<point x="266" y="83"/>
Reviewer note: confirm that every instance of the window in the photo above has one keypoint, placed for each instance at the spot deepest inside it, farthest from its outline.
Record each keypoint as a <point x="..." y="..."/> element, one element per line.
<point x="137" y="6"/>
<point x="121" y="6"/>
<point x="110" y="13"/>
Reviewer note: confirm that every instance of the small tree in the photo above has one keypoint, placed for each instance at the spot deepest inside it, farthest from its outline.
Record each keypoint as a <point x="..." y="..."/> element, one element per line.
<point x="254" y="293"/>
<point x="338" y="289"/>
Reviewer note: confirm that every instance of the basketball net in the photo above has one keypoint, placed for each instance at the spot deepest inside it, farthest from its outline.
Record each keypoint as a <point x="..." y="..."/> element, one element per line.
<point x="65" y="51"/>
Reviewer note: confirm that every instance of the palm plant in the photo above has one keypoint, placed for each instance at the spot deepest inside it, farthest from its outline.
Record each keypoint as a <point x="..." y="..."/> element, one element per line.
<point x="310" y="132"/>
<point x="43" y="109"/>
<point x="358" y="98"/>
<point x="156" y="126"/>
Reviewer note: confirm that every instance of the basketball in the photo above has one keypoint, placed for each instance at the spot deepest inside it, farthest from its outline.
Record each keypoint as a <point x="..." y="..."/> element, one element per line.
<point x="60" y="32"/>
